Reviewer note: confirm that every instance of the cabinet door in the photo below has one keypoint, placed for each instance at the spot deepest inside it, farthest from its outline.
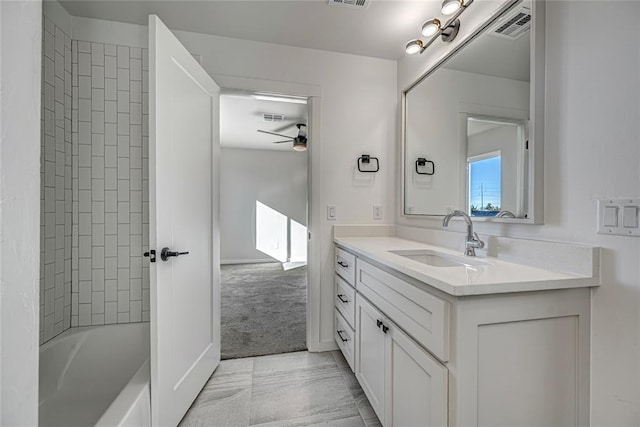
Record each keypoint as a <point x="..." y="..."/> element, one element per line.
<point x="370" y="354"/>
<point x="417" y="384"/>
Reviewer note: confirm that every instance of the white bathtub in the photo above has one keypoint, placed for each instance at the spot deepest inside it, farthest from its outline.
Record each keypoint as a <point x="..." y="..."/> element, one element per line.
<point x="96" y="376"/>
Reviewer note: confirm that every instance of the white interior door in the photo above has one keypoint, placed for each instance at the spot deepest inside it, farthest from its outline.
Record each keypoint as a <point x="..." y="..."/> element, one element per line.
<point x="183" y="216"/>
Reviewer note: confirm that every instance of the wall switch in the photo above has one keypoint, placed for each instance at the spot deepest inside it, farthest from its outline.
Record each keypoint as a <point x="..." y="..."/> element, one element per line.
<point x="331" y="212"/>
<point x="619" y="216"/>
<point x="377" y="212"/>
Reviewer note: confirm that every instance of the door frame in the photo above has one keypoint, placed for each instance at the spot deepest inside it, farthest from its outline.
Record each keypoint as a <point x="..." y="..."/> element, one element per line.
<point x="314" y="188"/>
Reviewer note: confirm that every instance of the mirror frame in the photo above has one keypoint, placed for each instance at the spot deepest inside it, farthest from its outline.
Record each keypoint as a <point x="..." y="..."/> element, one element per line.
<point x="535" y="197"/>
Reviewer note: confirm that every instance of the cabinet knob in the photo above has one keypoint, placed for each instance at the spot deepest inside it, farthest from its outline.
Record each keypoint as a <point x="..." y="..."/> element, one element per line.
<point x="385" y="328"/>
<point x="378" y="322"/>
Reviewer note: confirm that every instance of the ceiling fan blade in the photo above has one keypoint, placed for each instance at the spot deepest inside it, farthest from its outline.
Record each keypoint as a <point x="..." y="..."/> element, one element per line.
<point x="294" y="121"/>
<point x="280" y="142"/>
<point x="276" y="134"/>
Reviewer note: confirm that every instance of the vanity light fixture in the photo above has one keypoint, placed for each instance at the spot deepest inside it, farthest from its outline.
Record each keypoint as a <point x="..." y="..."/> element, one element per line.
<point x="434" y="28"/>
<point x="449" y="7"/>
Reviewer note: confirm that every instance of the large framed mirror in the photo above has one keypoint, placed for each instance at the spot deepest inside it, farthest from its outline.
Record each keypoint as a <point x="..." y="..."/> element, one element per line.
<point x="473" y="124"/>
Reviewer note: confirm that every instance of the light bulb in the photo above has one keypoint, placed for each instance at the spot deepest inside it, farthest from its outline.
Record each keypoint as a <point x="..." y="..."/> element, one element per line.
<point x="449" y="7"/>
<point x="430" y="27"/>
<point x="414" y="46"/>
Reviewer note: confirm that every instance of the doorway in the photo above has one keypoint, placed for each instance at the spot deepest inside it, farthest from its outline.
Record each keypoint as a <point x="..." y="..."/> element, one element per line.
<point x="263" y="222"/>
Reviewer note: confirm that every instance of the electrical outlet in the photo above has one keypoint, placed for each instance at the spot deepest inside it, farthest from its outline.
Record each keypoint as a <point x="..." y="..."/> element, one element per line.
<point x="377" y="212"/>
<point x="331" y="212"/>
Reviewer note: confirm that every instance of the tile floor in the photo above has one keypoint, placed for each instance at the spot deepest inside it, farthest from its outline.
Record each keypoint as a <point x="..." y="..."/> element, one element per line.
<point x="283" y="390"/>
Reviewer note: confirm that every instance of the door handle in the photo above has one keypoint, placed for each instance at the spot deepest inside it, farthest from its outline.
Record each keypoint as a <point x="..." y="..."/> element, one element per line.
<point x="165" y="254"/>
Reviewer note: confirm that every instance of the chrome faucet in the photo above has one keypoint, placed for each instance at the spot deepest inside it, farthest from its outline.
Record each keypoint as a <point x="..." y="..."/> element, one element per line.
<point x="472" y="241"/>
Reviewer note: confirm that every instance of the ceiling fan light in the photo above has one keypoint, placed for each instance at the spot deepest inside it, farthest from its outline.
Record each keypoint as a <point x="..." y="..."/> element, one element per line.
<point x="299" y="145"/>
<point x="431" y="27"/>
<point x="414" y="46"/>
<point x="449" y="7"/>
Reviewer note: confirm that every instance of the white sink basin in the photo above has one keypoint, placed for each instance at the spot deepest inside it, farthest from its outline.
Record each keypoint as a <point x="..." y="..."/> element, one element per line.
<point x="437" y="259"/>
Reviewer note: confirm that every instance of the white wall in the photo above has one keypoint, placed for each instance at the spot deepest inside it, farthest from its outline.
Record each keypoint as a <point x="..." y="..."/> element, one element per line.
<point x="358" y="116"/>
<point x="592" y="151"/>
<point x="277" y="179"/>
<point x="20" y="39"/>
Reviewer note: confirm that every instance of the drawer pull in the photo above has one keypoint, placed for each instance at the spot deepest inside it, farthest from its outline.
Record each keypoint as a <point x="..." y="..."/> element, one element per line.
<point x="342" y="299"/>
<point x="341" y="337"/>
<point x="378" y="322"/>
<point x="343" y="264"/>
<point x="385" y="328"/>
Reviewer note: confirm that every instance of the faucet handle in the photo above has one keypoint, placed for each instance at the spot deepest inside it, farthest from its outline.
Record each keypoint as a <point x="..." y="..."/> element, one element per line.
<point x="479" y="243"/>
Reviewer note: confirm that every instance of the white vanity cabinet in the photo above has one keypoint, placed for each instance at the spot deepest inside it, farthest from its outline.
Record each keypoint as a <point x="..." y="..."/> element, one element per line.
<point x="425" y="357"/>
<point x="405" y="385"/>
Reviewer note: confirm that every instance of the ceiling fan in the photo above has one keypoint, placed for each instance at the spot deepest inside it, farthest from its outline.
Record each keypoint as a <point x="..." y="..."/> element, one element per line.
<point x="299" y="141"/>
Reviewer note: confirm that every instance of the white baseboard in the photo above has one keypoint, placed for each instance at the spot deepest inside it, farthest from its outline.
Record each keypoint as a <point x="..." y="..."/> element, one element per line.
<point x="247" y="261"/>
<point x="322" y="346"/>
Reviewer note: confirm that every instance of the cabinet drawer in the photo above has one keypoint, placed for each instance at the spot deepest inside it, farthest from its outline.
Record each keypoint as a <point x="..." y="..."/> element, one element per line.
<point x="345" y="264"/>
<point x="345" y="297"/>
<point x="423" y="316"/>
<point x="344" y="336"/>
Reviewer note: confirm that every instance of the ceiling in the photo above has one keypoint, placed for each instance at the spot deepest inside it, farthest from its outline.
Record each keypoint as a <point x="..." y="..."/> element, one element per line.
<point x="380" y="29"/>
<point x="241" y="116"/>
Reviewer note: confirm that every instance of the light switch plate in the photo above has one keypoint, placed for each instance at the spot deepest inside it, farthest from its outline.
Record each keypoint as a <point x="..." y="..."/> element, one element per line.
<point x="331" y="212"/>
<point x="619" y="216"/>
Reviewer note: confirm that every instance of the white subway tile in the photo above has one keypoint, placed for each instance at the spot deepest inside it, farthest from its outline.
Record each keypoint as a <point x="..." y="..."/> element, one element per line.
<point x="123" y="79"/>
<point x="84" y="315"/>
<point x="84" y="224"/>
<point x="123" y="279"/>
<point x="97" y="77"/>
<point x="84" y="64"/>
<point x="110" y="68"/>
<point x="123" y="212"/>
<point x="111" y="312"/>
<point x="135" y="91"/>
<point x="110" y="89"/>
<point x="97" y="54"/>
<point x="97" y="257"/>
<point x="111" y="269"/>
<point x="111" y="201"/>
<point x="111" y="223"/>
<point x="84" y="47"/>
<point x="123" y="101"/>
<point x="97" y="319"/>
<point x="97" y="167"/>
<point x="123" y="301"/>
<point x="84" y="114"/>
<point x="97" y="234"/>
<point x="123" y="124"/>
<point x="135" y="311"/>
<point x="123" y="256"/>
<point x="135" y="69"/>
<point x="111" y="245"/>
<point x="110" y="49"/>
<point x="84" y="296"/>
<point x="111" y="112"/>
<point x="84" y="246"/>
<point x="136" y="114"/>
<point x="97" y="280"/>
<point x="97" y="302"/>
<point x="110" y="179"/>
<point x="97" y="144"/>
<point x="123" y="317"/>
<point x="97" y="121"/>
<point x="97" y="212"/>
<point x="110" y="134"/>
<point x="97" y="100"/>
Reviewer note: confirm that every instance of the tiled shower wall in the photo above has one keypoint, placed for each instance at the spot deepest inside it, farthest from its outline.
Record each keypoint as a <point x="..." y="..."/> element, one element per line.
<point x="55" y="196"/>
<point x="110" y="184"/>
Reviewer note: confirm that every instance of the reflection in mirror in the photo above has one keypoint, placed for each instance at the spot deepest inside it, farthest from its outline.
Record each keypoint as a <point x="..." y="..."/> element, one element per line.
<point x="496" y="167"/>
<point x="466" y="129"/>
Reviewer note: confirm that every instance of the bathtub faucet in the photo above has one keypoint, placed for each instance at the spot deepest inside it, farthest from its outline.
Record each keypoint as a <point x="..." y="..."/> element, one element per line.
<point x="472" y="241"/>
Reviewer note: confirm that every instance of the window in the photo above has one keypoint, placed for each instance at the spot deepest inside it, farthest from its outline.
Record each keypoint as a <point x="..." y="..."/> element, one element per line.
<point x="485" y="184"/>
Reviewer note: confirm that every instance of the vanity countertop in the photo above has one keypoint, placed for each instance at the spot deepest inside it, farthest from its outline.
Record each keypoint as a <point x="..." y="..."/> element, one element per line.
<point x="493" y="276"/>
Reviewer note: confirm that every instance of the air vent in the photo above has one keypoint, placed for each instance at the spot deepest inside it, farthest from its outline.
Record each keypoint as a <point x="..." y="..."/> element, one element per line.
<point x="351" y="3"/>
<point x="513" y="26"/>
<point x="272" y="117"/>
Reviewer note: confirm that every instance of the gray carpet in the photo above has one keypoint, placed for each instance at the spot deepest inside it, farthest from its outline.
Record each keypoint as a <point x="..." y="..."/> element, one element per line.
<point x="263" y="309"/>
